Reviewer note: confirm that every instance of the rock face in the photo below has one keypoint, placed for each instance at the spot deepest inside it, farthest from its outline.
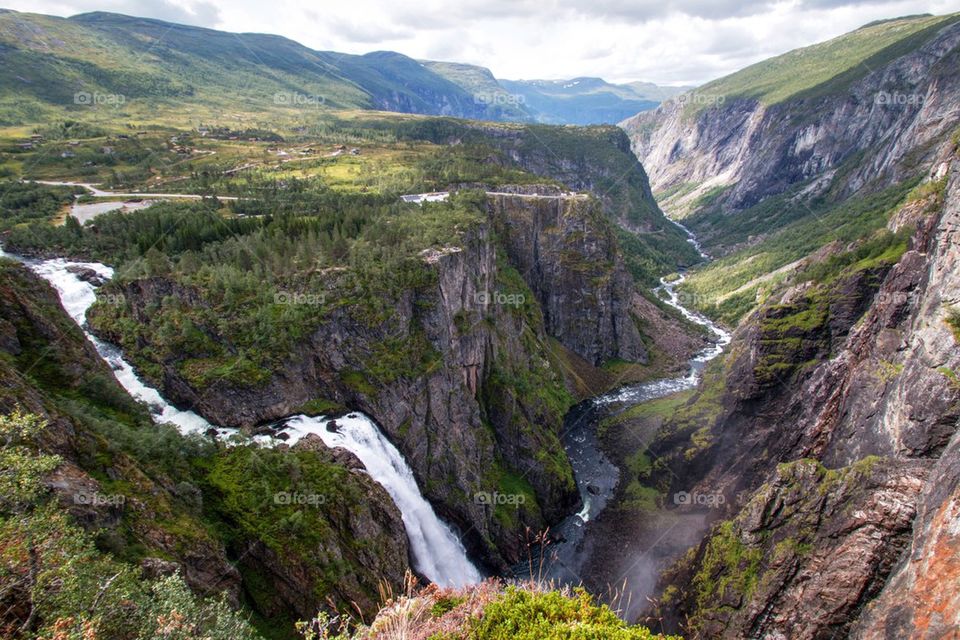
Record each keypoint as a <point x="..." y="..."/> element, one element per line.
<point x="921" y="599"/>
<point x="576" y="275"/>
<point x="803" y="555"/>
<point x="884" y="127"/>
<point x="47" y="367"/>
<point x="859" y="377"/>
<point x="596" y="159"/>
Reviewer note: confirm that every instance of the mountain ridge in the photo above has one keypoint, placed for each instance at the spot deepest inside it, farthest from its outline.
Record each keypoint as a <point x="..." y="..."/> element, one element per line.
<point x="50" y="59"/>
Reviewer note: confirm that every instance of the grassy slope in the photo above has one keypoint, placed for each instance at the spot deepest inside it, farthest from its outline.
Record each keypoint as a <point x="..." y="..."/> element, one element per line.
<point x="162" y="66"/>
<point x="728" y="288"/>
<point x="828" y="66"/>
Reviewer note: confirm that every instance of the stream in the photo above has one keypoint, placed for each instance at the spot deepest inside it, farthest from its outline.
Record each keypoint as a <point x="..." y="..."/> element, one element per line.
<point x="437" y="551"/>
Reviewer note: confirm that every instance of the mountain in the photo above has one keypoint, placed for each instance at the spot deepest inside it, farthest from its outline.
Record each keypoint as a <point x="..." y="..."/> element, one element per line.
<point x="318" y="355"/>
<point x="304" y="286"/>
<point x="48" y="60"/>
<point x="486" y="89"/>
<point x="585" y="100"/>
<point x="149" y="65"/>
<point x="856" y="103"/>
<point x="580" y="101"/>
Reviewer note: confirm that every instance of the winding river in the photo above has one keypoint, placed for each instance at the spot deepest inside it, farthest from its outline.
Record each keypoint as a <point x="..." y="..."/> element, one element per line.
<point x="437" y="551"/>
<point x="596" y="476"/>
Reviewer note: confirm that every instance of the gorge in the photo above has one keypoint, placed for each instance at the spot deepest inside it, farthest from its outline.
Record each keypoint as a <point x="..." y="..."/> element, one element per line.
<point x="270" y="372"/>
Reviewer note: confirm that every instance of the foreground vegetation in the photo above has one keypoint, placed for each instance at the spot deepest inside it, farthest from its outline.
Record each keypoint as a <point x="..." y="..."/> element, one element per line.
<point x="489" y="611"/>
<point x="63" y="586"/>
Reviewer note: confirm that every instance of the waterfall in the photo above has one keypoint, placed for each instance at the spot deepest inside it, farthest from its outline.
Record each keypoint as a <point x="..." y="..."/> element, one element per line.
<point x="437" y="552"/>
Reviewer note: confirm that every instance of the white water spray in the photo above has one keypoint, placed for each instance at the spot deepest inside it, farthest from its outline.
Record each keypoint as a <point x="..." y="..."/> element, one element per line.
<point x="437" y="552"/>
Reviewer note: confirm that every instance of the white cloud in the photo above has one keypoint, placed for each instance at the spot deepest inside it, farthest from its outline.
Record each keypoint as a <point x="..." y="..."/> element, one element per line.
<point x="672" y="42"/>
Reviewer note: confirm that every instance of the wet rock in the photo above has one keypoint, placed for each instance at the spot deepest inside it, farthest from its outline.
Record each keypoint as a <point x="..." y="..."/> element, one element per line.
<point x="87" y="275"/>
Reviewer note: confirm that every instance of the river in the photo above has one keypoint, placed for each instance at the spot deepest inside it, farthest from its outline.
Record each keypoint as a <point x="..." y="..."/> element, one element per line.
<point x="437" y="551"/>
<point x="596" y="476"/>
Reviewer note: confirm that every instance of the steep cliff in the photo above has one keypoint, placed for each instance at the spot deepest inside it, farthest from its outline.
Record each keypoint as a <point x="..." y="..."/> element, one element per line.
<point x="851" y="368"/>
<point x="570" y="260"/>
<point x="469" y="373"/>
<point x="597" y="159"/>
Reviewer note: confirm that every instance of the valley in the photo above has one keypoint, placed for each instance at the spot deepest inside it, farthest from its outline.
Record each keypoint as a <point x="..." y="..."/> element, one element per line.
<point x="409" y="364"/>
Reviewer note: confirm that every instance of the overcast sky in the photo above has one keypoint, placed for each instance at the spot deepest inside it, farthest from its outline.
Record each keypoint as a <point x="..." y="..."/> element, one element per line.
<point x="663" y="41"/>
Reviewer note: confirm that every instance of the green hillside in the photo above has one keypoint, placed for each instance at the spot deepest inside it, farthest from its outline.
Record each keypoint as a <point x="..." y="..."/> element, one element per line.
<point x="148" y="68"/>
<point x="145" y="66"/>
<point x="486" y="90"/>
<point x="828" y="66"/>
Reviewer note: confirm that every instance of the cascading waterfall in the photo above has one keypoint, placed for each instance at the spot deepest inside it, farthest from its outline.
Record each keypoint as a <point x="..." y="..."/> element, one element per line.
<point x="437" y="552"/>
<point x="77" y="296"/>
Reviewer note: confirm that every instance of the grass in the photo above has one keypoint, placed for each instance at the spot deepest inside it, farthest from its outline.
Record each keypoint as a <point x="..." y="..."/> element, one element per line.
<point x="730" y="287"/>
<point x="728" y="565"/>
<point x="953" y="321"/>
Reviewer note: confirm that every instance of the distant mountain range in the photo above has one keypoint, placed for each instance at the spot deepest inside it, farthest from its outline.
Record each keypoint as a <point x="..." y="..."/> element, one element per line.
<point x="46" y="62"/>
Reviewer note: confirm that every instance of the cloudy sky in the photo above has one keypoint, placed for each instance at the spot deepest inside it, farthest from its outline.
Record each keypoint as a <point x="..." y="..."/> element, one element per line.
<point x="664" y="41"/>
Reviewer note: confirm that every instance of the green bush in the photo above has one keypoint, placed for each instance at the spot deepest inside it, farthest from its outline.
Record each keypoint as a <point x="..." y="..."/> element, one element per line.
<point x="549" y="615"/>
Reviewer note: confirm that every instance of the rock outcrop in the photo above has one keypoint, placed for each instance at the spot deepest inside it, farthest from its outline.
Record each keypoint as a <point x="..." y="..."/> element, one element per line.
<point x="573" y="268"/>
<point x="466" y="375"/>
<point x="113" y="480"/>
<point x="803" y="555"/>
